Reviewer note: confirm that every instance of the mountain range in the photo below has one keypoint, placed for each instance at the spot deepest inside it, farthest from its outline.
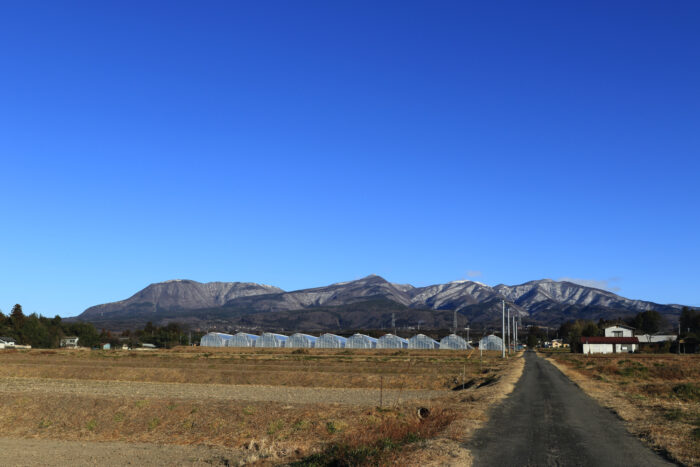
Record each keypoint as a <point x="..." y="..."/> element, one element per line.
<point x="368" y="303"/>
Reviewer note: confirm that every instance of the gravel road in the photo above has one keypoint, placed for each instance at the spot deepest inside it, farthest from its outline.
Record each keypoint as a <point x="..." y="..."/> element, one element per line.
<point x="549" y="421"/>
<point x="145" y="390"/>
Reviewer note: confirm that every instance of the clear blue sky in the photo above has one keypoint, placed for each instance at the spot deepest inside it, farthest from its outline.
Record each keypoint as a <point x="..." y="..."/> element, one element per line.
<point x="303" y="143"/>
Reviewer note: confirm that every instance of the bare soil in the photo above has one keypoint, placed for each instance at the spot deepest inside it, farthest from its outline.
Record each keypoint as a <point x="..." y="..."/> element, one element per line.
<point x="31" y="452"/>
<point x="242" y="406"/>
<point x="252" y="393"/>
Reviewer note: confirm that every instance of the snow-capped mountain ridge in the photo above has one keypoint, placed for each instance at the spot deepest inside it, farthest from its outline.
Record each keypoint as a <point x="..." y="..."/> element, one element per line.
<point x="543" y="300"/>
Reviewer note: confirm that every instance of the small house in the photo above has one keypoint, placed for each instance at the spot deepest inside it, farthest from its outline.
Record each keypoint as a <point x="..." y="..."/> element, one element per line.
<point x="618" y="339"/>
<point x="558" y="344"/>
<point x="69" y="342"/>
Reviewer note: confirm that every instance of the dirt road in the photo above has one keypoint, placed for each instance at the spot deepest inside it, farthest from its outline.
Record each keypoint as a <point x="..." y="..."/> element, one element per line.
<point x="256" y="393"/>
<point x="549" y="421"/>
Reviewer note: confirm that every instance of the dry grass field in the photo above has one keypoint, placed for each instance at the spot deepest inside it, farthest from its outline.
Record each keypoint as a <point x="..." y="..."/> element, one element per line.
<point x="264" y="406"/>
<point x="658" y="395"/>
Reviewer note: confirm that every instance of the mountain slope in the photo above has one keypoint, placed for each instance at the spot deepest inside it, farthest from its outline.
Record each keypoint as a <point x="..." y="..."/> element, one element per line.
<point x="178" y="295"/>
<point x="538" y="302"/>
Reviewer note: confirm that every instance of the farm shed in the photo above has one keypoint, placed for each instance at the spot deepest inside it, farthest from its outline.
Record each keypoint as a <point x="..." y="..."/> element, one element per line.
<point x="421" y="341"/>
<point x="330" y="341"/>
<point x="390" y="341"/>
<point x="491" y="342"/>
<point x="215" y="339"/>
<point x="242" y="339"/>
<point x="454" y="342"/>
<point x="300" y="340"/>
<point x="270" y="339"/>
<point x="360" y="341"/>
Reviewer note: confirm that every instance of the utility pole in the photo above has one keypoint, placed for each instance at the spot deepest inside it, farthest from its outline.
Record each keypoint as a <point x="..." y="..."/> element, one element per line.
<point x="455" y="322"/>
<point x="508" y="331"/>
<point x="515" y="335"/>
<point x="503" y="330"/>
<point x="393" y="322"/>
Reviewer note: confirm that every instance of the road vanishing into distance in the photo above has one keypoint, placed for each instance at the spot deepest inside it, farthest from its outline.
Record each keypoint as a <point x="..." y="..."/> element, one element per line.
<point x="549" y="421"/>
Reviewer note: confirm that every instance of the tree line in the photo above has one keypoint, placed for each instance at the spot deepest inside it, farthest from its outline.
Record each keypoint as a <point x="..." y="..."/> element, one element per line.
<point x="42" y="332"/>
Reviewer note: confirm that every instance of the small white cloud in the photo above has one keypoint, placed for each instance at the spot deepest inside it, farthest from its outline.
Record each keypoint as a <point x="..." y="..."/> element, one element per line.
<point x="473" y="273"/>
<point x="605" y="284"/>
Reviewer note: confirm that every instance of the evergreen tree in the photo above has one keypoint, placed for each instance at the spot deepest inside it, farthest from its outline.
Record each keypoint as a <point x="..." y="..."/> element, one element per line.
<point x="17" y="316"/>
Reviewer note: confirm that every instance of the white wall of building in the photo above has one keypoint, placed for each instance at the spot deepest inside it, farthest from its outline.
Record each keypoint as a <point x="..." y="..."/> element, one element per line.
<point x="597" y="348"/>
<point x="618" y="331"/>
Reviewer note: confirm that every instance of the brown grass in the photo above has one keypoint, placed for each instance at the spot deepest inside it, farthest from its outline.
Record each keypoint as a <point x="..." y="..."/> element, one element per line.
<point x="657" y="395"/>
<point x="267" y="431"/>
<point x="400" y="369"/>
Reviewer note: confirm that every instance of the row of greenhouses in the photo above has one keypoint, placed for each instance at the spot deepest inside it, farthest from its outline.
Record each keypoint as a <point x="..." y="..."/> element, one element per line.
<point x="333" y="341"/>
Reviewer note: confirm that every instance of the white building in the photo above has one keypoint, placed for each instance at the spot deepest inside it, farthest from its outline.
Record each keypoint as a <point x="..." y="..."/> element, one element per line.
<point x="69" y="342"/>
<point x="618" y="339"/>
<point x="619" y="330"/>
<point x="656" y="338"/>
<point x="6" y="342"/>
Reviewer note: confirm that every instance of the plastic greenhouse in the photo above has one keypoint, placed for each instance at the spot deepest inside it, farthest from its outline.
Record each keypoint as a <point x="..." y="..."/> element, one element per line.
<point x="302" y="340"/>
<point x="330" y="341"/>
<point x="421" y="341"/>
<point x="242" y="339"/>
<point x="491" y="343"/>
<point x="270" y="339"/>
<point x="390" y="341"/>
<point x="454" y="342"/>
<point x="360" y="341"/>
<point x="215" y="339"/>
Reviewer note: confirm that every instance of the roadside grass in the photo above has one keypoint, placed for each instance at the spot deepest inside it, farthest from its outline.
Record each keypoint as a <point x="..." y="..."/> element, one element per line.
<point x="383" y="443"/>
<point x="657" y="394"/>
